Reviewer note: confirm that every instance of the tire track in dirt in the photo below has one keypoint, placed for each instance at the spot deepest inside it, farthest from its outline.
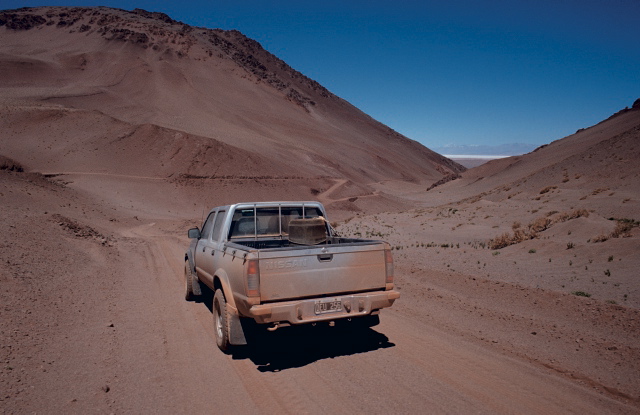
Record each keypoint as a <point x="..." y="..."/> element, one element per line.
<point x="326" y="199"/>
<point x="167" y="350"/>
<point x="419" y="367"/>
<point x="88" y="173"/>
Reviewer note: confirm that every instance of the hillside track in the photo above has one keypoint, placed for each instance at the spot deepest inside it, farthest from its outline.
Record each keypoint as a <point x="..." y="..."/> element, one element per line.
<point x="404" y="365"/>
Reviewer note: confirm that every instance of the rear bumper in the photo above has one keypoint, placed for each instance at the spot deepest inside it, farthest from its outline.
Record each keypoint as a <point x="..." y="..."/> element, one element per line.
<point x="303" y="311"/>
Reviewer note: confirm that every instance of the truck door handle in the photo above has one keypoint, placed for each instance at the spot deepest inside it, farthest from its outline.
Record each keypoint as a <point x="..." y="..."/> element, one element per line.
<point x="325" y="257"/>
<point x="203" y="248"/>
<point x="213" y="252"/>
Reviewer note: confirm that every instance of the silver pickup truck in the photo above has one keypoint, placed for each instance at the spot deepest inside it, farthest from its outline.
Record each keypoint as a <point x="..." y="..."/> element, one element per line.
<point x="282" y="264"/>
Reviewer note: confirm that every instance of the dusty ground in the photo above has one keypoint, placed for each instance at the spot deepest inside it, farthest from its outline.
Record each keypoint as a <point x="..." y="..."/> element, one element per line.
<point x="93" y="320"/>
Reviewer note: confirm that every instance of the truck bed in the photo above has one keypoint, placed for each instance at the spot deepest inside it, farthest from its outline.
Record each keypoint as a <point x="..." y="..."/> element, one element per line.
<point x="285" y="243"/>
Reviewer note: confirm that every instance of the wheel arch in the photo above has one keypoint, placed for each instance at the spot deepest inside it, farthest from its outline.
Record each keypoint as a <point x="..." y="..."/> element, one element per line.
<point x="221" y="281"/>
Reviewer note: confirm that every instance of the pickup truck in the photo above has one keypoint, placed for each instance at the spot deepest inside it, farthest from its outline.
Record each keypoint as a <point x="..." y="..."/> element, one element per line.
<point x="281" y="264"/>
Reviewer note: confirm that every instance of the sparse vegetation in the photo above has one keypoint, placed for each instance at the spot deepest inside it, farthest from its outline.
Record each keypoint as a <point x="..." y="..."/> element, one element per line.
<point x="581" y="294"/>
<point x="600" y="238"/>
<point x="10" y="165"/>
<point x="531" y="232"/>
<point x="547" y="189"/>
<point x="622" y="230"/>
<point x="623" y="227"/>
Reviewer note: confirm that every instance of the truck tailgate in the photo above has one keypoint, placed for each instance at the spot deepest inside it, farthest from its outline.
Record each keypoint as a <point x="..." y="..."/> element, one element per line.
<point x="320" y="271"/>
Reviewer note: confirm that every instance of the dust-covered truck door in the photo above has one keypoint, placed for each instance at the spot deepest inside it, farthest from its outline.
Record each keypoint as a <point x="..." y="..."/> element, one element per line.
<point x="204" y="252"/>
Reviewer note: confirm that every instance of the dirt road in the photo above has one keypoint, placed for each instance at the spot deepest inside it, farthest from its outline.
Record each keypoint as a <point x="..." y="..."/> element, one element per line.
<point x="94" y="321"/>
<point x="403" y="366"/>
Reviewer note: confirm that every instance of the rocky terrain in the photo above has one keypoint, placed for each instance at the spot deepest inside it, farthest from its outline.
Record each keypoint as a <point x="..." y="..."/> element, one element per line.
<point x="519" y="279"/>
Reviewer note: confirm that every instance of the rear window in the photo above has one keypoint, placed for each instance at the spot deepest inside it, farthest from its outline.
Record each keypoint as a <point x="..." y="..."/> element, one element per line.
<point x="267" y="221"/>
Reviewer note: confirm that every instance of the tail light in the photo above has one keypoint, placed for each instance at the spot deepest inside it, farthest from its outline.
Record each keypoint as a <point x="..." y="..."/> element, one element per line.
<point x="253" y="278"/>
<point x="388" y="262"/>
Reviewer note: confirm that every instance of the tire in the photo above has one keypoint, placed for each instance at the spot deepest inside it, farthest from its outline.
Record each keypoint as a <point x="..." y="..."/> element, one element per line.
<point x="221" y="321"/>
<point x="189" y="295"/>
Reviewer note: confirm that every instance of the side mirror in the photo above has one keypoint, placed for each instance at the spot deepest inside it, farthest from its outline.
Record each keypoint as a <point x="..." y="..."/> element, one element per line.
<point x="194" y="233"/>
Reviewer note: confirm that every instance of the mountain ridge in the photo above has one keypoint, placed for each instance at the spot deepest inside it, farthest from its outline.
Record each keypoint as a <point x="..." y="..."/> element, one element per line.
<point x="145" y="68"/>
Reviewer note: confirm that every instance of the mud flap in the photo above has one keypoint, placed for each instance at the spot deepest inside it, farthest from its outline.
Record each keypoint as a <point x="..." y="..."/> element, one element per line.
<point x="236" y="332"/>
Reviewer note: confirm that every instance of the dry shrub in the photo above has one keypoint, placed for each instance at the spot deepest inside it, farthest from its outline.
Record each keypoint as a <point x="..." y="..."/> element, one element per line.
<point x="501" y="241"/>
<point x="506" y="239"/>
<point x="11" y="165"/>
<point x="600" y="238"/>
<point x="574" y="214"/>
<point x="623" y="229"/>
<point x="577" y="213"/>
<point x="540" y="225"/>
<point x="547" y="189"/>
<point x="520" y="235"/>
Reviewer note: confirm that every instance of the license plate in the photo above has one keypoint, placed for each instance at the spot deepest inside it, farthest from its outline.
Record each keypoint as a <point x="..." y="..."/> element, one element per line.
<point x="330" y="306"/>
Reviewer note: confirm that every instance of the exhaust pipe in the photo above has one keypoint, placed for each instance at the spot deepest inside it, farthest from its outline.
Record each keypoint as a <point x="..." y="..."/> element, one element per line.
<point x="273" y="327"/>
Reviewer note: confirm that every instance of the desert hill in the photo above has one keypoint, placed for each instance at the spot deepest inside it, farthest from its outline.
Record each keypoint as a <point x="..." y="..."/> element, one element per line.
<point x="599" y="159"/>
<point x="562" y="222"/>
<point x="138" y="93"/>
<point x="118" y="129"/>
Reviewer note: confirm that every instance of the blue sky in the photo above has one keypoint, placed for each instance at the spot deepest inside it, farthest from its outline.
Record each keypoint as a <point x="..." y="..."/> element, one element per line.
<point x="455" y="72"/>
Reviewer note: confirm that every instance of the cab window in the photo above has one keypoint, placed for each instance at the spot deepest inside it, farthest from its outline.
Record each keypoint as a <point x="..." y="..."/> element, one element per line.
<point x="217" y="225"/>
<point x="208" y="226"/>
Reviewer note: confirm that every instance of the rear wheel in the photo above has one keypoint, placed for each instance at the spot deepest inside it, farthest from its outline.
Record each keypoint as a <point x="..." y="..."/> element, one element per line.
<point x="221" y="321"/>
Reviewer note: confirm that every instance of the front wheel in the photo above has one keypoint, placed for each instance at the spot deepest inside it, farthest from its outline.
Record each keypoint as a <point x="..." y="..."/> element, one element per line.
<point x="189" y="280"/>
<point x="221" y="321"/>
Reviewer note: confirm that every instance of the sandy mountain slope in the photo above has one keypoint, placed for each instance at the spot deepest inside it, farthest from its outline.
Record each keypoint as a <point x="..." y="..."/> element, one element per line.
<point x="122" y="127"/>
<point x="211" y="89"/>
<point x="595" y="159"/>
<point x="540" y="253"/>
